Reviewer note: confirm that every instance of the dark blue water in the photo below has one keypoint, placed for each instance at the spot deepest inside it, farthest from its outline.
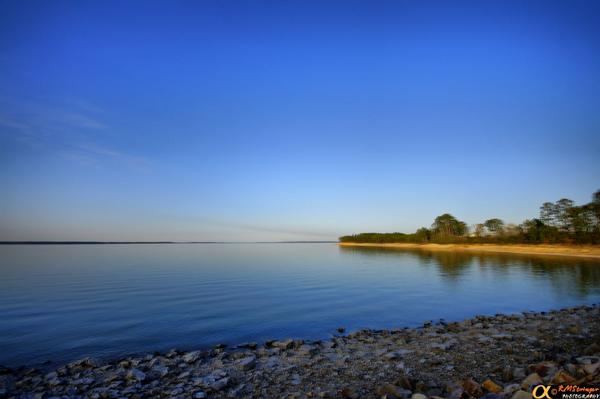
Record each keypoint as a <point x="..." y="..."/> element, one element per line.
<point x="62" y="302"/>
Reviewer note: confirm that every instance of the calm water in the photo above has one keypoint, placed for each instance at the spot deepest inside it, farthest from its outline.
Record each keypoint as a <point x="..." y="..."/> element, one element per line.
<point x="64" y="302"/>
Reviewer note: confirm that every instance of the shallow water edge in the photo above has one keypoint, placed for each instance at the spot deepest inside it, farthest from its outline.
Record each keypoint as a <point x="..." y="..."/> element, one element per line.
<point x="502" y="355"/>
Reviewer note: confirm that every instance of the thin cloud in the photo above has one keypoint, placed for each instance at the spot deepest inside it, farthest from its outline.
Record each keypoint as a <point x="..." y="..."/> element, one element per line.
<point x="84" y="106"/>
<point x="81" y="121"/>
<point x="93" y="150"/>
<point x="69" y="132"/>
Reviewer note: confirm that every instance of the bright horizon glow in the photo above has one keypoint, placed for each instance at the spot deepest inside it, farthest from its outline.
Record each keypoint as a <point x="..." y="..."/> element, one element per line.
<point x="248" y="121"/>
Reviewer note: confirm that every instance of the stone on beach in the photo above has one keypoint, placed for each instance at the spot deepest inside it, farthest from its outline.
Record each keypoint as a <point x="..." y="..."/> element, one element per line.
<point x="247" y="363"/>
<point x="135" y="374"/>
<point x="191" y="357"/>
<point x="491" y="386"/>
<point x="398" y="354"/>
<point x="531" y="380"/>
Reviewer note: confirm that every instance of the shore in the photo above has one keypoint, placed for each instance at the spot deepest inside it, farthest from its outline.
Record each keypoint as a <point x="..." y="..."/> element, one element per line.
<point x="580" y="251"/>
<point x="498" y="357"/>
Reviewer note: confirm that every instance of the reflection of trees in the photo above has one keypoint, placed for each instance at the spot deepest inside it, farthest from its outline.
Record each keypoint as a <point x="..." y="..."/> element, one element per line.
<point x="577" y="275"/>
<point x="452" y="264"/>
<point x="574" y="275"/>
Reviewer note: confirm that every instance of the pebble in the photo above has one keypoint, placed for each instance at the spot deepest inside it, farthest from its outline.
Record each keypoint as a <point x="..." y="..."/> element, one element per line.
<point x="532" y="379"/>
<point x="191" y="357"/>
<point x="286" y="344"/>
<point x="397" y="354"/>
<point x="136" y="374"/>
<point x="491" y="386"/>
<point x="247" y="363"/>
<point x="562" y="377"/>
<point x="295" y="379"/>
<point x="389" y="389"/>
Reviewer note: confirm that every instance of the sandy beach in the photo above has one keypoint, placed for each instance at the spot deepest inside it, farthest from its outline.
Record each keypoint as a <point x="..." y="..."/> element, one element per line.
<point x="582" y="251"/>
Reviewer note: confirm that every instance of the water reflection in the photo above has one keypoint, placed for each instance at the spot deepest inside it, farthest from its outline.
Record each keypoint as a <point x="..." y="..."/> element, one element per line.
<point x="565" y="274"/>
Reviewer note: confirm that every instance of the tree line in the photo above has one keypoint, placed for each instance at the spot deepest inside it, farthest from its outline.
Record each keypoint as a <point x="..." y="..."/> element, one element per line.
<point x="558" y="222"/>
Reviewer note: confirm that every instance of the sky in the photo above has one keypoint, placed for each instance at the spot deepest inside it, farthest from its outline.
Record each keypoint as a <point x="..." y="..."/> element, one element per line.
<point x="291" y="120"/>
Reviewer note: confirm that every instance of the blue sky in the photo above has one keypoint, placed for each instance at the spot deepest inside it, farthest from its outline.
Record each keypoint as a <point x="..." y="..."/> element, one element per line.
<point x="291" y="120"/>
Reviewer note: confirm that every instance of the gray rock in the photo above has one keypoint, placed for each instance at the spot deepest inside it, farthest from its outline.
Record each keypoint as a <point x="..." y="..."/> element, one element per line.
<point x="484" y="339"/>
<point x="184" y="375"/>
<point x="135" y="374"/>
<point x="307" y="350"/>
<point x="237" y="391"/>
<point x="394" y="391"/>
<point x="249" y="345"/>
<point x="217" y="380"/>
<point x="54" y="381"/>
<point x="247" y="363"/>
<point x="85" y="362"/>
<point x="295" y="379"/>
<point x="191" y="357"/>
<point x="519" y="373"/>
<point x="172" y="353"/>
<point x="328" y="345"/>
<point x="587" y="359"/>
<point x="51" y="376"/>
<point x="397" y="354"/>
<point x="444" y="346"/>
<point x="160" y="370"/>
<point x="511" y="388"/>
<point x="286" y="344"/>
<point x="220" y="384"/>
<point x="83" y="381"/>
<point x="589" y="363"/>
<point x="272" y="362"/>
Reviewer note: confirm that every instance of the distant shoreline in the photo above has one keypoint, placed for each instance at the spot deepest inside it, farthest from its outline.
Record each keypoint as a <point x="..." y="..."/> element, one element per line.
<point x="581" y="251"/>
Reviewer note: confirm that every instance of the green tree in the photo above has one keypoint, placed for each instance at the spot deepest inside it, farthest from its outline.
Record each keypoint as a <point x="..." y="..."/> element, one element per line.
<point x="560" y="221"/>
<point x="563" y="207"/>
<point x="494" y="226"/>
<point x="447" y="226"/>
<point x="535" y="231"/>
<point x="549" y="214"/>
<point x="595" y="207"/>
<point x="422" y="235"/>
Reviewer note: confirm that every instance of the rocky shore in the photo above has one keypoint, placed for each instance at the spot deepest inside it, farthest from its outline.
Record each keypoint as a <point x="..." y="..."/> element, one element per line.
<point x="496" y="357"/>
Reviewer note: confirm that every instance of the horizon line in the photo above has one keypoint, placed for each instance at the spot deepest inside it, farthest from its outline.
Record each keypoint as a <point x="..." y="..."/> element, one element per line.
<point x="59" y="242"/>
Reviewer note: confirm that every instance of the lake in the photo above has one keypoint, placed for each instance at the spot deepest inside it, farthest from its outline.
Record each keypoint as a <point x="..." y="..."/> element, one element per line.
<point x="64" y="302"/>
